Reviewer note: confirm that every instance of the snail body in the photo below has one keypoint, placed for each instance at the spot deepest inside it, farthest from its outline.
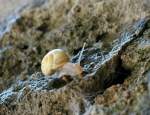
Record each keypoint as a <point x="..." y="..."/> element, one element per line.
<point x="72" y="69"/>
<point x="53" y="60"/>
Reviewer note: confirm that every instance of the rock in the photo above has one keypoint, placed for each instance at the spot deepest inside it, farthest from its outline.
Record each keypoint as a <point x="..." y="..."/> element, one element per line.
<point x="115" y="74"/>
<point x="95" y="110"/>
<point x="96" y="93"/>
<point x="63" y="24"/>
<point x="134" y="92"/>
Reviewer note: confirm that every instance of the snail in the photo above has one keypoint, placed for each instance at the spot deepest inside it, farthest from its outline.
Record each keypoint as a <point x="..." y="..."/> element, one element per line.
<point x="57" y="59"/>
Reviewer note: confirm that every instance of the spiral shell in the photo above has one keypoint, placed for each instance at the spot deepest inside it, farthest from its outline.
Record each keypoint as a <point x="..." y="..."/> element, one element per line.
<point x="53" y="60"/>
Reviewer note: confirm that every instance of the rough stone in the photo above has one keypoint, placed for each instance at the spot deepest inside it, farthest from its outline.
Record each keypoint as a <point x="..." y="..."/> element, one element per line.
<point x="116" y="66"/>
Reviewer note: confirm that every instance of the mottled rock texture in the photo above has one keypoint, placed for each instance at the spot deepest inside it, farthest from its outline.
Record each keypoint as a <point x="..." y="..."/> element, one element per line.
<point x="120" y="86"/>
<point x="63" y="24"/>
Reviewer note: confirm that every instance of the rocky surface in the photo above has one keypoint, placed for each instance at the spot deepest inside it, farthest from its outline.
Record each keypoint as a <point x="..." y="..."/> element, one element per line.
<point x="116" y="60"/>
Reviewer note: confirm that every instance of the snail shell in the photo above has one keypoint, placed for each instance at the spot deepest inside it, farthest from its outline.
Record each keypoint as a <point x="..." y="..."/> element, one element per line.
<point x="53" y="60"/>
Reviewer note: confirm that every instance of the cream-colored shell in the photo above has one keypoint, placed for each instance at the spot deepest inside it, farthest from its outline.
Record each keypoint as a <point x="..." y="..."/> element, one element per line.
<point x="53" y="60"/>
